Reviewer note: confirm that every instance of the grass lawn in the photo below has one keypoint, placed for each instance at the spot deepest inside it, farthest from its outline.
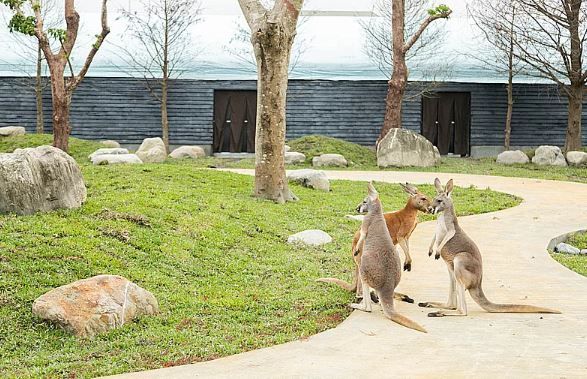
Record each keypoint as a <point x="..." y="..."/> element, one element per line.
<point x="363" y="158"/>
<point x="215" y="258"/>
<point x="576" y="263"/>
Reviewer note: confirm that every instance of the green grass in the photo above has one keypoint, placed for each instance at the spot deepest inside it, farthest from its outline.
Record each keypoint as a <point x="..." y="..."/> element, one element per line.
<point x="215" y="258"/>
<point x="576" y="263"/>
<point x="79" y="149"/>
<point x="365" y="159"/>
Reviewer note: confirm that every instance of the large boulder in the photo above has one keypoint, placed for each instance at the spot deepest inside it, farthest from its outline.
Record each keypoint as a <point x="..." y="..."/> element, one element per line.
<point x="401" y="148"/>
<point x="549" y="156"/>
<point x="512" y="157"/>
<point x="95" y="305"/>
<point x="183" y="152"/>
<point x="10" y="131"/>
<point x="107" y="159"/>
<point x="336" y="160"/>
<point x="577" y="158"/>
<point x="110" y="143"/>
<point x="152" y="150"/>
<point x="107" y="151"/>
<point x="310" y="178"/>
<point x="310" y="237"/>
<point x="292" y="157"/>
<point x="38" y="180"/>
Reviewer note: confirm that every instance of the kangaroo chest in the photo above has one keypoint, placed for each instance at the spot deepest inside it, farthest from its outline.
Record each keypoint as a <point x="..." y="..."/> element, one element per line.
<point x="441" y="227"/>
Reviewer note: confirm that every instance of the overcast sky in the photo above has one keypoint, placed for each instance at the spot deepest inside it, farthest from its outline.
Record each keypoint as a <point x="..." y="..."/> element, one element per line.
<point x="330" y="43"/>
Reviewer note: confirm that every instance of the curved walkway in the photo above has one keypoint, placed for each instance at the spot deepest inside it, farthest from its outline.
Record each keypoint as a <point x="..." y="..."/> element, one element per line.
<point x="517" y="269"/>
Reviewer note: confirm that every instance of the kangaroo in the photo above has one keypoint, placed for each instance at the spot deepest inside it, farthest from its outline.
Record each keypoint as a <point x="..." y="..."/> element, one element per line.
<point x="380" y="266"/>
<point x="400" y="224"/>
<point x="463" y="258"/>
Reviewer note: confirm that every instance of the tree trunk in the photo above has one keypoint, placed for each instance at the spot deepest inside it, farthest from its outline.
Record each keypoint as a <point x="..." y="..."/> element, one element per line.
<point x="39" y="92"/>
<point x="164" y="117"/>
<point x="61" y="100"/>
<point x="573" y="138"/>
<point x="399" y="76"/>
<point x="508" y="117"/>
<point x="272" y="46"/>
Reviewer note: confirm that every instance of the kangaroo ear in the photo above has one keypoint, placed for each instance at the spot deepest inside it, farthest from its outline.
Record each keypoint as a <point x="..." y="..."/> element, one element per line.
<point x="449" y="188"/>
<point x="372" y="191"/>
<point x="409" y="189"/>
<point x="438" y="186"/>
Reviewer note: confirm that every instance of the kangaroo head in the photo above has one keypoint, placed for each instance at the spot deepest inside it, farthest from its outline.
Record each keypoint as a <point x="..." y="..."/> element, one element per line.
<point x="371" y="201"/>
<point x="417" y="199"/>
<point x="442" y="201"/>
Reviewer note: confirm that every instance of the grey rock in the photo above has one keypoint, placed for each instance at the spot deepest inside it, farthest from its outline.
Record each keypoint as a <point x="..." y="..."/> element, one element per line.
<point x="512" y="157"/>
<point x="110" y="143"/>
<point x="95" y="305"/>
<point x="287" y="148"/>
<point x="583" y="252"/>
<point x="38" y="180"/>
<point x="577" y="158"/>
<point x="10" y="131"/>
<point x="566" y="249"/>
<point x="402" y="148"/>
<point x="336" y="160"/>
<point x="152" y="150"/>
<point x="311" y="237"/>
<point x="116" y="159"/>
<point x="192" y="152"/>
<point x="310" y="178"/>
<point x="107" y="151"/>
<point x="549" y="156"/>
<point x="292" y="157"/>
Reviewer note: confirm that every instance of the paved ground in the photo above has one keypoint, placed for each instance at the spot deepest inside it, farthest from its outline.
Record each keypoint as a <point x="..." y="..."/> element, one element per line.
<point x="517" y="269"/>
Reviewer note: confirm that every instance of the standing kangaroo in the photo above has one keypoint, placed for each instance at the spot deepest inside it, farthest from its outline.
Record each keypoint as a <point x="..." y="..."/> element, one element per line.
<point x="464" y="263"/>
<point x="400" y="224"/>
<point x="380" y="266"/>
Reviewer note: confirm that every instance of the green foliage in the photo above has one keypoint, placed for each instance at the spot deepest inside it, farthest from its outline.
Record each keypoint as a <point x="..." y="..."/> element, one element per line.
<point x="22" y="24"/>
<point x="441" y="10"/>
<point x="13" y="4"/>
<point x="58" y="34"/>
<point x="215" y="258"/>
<point x="314" y="145"/>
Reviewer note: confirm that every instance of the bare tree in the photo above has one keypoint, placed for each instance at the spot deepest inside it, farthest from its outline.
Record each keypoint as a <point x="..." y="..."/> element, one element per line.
<point x="160" y="45"/>
<point x="496" y="20"/>
<point x="28" y="19"/>
<point x="400" y="48"/>
<point x="272" y="35"/>
<point x="550" y="40"/>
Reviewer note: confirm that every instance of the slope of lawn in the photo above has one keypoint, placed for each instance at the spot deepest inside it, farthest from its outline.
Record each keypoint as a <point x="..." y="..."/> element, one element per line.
<point x="364" y="158"/>
<point x="576" y="263"/>
<point x="215" y="258"/>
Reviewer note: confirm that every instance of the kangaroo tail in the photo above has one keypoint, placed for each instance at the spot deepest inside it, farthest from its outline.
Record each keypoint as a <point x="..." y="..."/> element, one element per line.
<point x="341" y="283"/>
<point x="480" y="298"/>
<point x="391" y="314"/>
<point x="404" y="321"/>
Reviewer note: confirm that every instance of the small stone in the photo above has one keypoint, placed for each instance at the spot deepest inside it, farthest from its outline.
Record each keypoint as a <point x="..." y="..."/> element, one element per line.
<point x="312" y="237"/>
<point x="549" y="156"/>
<point x="95" y="305"/>
<point x="110" y="143"/>
<point x="566" y="249"/>
<point x="287" y="148"/>
<point x="583" y="252"/>
<point x="116" y="159"/>
<point x="336" y="160"/>
<point x="152" y="150"/>
<point x="355" y="217"/>
<point x="292" y="157"/>
<point x="107" y="151"/>
<point x="577" y="158"/>
<point x="310" y="178"/>
<point x="512" y="157"/>
<point x="192" y="152"/>
<point x="11" y="131"/>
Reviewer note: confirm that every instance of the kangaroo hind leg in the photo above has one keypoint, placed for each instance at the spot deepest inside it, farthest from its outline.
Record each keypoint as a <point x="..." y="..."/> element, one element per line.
<point x="452" y="294"/>
<point x="463" y="280"/>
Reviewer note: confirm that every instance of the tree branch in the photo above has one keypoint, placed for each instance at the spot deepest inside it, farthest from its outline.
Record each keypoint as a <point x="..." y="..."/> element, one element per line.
<point x="423" y="27"/>
<point x="253" y="10"/>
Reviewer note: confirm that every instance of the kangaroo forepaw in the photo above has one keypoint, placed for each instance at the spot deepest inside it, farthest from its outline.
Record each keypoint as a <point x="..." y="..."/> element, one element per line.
<point x="355" y="253"/>
<point x="374" y="297"/>
<point x="408" y="266"/>
<point x="437" y="256"/>
<point x="436" y="314"/>
<point x="430" y="252"/>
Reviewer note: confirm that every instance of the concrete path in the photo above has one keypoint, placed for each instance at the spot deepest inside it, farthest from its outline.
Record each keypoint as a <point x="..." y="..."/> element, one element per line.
<point x="517" y="269"/>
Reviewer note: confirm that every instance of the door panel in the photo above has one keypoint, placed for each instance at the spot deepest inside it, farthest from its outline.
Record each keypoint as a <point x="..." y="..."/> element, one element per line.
<point x="446" y="121"/>
<point x="234" y="121"/>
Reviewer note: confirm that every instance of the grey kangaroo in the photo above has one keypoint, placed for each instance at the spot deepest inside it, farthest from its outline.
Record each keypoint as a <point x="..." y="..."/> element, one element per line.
<point x="464" y="263"/>
<point x="380" y="266"/>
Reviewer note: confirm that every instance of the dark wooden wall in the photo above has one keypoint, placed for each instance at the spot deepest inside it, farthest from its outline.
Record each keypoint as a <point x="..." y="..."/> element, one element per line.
<point x="122" y="109"/>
